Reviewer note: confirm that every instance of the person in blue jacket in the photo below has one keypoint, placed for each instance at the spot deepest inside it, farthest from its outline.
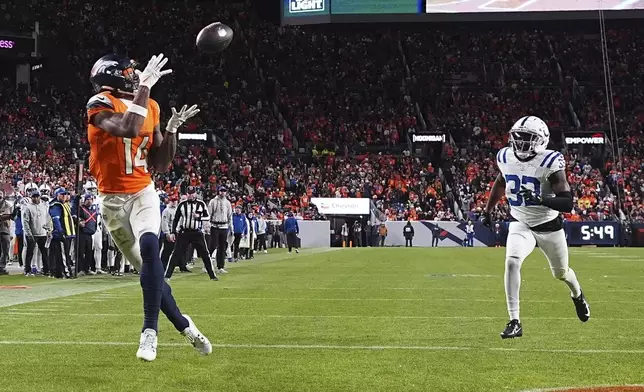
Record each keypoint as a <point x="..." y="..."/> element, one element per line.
<point x="292" y="229"/>
<point x="64" y="231"/>
<point x="17" y="218"/>
<point x="240" y="229"/>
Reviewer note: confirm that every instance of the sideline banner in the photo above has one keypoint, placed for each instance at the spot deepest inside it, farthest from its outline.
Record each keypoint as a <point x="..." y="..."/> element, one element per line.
<point x="342" y="206"/>
<point x="453" y="233"/>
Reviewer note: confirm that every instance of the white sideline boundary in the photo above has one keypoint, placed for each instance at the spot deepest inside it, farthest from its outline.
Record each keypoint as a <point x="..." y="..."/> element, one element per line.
<point x="63" y="289"/>
<point x="38" y="312"/>
<point x="579" y="387"/>
<point x="284" y="299"/>
<point x="327" y="347"/>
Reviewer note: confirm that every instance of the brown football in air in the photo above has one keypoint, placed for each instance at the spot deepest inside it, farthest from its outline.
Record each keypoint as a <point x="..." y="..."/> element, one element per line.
<point x="214" y="38"/>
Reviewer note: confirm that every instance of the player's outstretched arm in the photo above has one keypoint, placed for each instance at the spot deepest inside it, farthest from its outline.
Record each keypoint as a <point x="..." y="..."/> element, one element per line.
<point x="126" y="124"/>
<point x="129" y="124"/>
<point x="163" y="149"/>
<point x="165" y="146"/>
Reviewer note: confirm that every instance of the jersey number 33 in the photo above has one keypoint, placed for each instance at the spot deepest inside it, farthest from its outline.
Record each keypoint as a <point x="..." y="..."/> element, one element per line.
<point x="513" y="185"/>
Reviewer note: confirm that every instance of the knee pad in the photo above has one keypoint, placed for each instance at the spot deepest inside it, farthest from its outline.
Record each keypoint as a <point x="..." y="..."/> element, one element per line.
<point x="512" y="262"/>
<point x="559" y="273"/>
<point x="149" y="244"/>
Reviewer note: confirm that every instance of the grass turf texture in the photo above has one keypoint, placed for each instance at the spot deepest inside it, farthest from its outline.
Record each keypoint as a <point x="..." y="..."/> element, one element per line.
<point x="348" y="320"/>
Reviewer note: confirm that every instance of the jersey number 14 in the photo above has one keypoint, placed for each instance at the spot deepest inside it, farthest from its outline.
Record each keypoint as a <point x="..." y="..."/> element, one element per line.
<point x="516" y="182"/>
<point x="138" y="159"/>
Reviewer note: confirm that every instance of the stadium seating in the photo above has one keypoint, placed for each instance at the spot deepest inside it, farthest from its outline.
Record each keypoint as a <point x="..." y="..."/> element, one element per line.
<point x="299" y="112"/>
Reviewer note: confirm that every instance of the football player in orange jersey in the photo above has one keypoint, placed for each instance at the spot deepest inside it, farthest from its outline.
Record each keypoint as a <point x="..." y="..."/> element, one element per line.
<point x="125" y="140"/>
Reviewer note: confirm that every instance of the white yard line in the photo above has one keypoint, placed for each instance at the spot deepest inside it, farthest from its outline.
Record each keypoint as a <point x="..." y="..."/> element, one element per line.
<point x="328" y="347"/>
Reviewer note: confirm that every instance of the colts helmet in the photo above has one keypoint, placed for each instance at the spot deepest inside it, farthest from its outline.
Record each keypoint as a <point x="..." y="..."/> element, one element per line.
<point x="90" y="188"/>
<point x="30" y="187"/>
<point x="116" y="72"/>
<point x="45" y="191"/>
<point x="529" y="136"/>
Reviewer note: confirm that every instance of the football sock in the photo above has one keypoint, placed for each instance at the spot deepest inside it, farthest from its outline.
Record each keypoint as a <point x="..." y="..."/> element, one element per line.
<point x="171" y="310"/>
<point x="151" y="280"/>
<point x="573" y="284"/>
<point x="512" y="280"/>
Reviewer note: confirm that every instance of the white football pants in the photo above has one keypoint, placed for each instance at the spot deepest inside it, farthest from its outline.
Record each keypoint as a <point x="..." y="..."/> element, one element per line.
<point x="521" y="242"/>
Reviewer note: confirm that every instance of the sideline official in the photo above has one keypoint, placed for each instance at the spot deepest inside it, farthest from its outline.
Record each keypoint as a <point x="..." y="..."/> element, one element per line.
<point x="221" y="223"/>
<point x="187" y="228"/>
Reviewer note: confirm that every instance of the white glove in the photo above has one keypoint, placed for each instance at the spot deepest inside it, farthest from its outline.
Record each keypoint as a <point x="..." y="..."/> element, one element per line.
<point x="152" y="72"/>
<point x="179" y="118"/>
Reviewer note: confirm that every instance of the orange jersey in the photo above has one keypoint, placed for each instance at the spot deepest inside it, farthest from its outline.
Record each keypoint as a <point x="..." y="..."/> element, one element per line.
<point x="120" y="164"/>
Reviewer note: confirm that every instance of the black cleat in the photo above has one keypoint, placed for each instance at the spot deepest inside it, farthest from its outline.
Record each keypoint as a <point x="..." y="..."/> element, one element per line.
<point x="582" y="307"/>
<point x="512" y="330"/>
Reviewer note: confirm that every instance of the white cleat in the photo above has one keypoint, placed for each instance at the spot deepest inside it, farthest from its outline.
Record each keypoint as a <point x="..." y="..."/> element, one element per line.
<point x="222" y="271"/>
<point x="194" y="337"/>
<point x="265" y="251"/>
<point x="147" y="345"/>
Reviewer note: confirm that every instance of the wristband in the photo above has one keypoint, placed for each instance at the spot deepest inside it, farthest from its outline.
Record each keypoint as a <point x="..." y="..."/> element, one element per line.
<point x="170" y="129"/>
<point x="136" y="109"/>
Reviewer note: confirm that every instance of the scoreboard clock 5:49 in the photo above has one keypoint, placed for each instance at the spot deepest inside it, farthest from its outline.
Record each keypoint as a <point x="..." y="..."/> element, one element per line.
<point x="593" y="233"/>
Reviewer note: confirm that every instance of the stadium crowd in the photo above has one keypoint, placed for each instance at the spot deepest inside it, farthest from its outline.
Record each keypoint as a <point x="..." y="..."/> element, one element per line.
<point x="300" y="112"/>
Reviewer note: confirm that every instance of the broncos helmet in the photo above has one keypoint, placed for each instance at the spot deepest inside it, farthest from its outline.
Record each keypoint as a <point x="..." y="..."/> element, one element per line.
<point x="115" y="71"/>
<point x="529" y="136"/>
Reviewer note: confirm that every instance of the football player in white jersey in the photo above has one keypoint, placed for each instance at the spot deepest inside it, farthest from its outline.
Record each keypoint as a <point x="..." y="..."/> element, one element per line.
<point x="45" y="192"/>
<point x="91" y="188"/>
<point x="533" y="179"/>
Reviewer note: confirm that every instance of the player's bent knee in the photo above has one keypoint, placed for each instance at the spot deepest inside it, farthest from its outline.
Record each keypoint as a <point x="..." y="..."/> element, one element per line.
<point x="149" y="243"/>
<point x="559" y="273"/>
<point x="512" y="262"/>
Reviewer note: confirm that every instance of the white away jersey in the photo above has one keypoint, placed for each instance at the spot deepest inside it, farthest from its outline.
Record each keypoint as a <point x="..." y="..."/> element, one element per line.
<point x="532" y="174"/>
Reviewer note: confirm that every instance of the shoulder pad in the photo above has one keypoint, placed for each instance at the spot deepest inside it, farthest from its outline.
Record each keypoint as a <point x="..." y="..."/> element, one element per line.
<point x="502" y="155"/>
<point x="100" y="101"/>
<point x="548" y="159"/>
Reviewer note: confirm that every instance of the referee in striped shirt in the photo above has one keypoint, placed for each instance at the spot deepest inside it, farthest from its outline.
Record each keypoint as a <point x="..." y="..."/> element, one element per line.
<point x="187" y="228"/>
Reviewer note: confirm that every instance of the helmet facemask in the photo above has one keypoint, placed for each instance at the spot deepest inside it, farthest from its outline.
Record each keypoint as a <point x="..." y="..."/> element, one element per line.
<point x="115" y="73"/>
<point x="527" y="143"/>
<point x="131" y="78"/>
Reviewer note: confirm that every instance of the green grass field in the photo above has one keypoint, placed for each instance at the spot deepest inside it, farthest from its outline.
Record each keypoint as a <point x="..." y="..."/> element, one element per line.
<point x="339" y="320"/>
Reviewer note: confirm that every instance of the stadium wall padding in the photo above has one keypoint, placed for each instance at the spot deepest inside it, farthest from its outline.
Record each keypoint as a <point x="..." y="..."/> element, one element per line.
<point x="315" y="234"/>
<point x="452" y="233"/>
